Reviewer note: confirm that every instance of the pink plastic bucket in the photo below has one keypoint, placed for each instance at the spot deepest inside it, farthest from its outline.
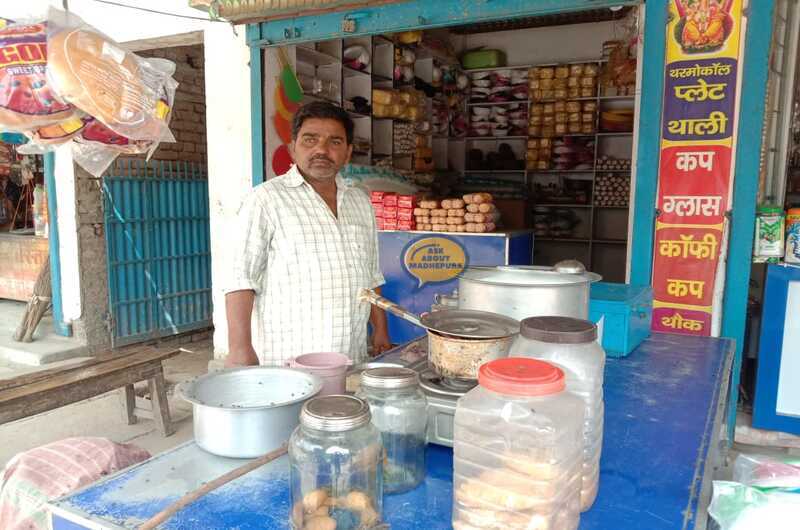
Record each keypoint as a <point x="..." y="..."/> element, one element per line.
<point x="330" y="367"/>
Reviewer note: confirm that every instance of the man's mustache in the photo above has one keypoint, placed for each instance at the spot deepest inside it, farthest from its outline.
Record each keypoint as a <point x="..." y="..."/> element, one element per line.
<point x="322" y="158"/>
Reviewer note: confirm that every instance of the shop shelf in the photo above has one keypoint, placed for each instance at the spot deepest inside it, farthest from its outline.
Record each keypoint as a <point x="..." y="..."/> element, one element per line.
<point x="611" y="241"/>
<point x="561" y="205"/>
<point x="556" y="171"/>
<point x="495" y="138"/>
<point x="628" y="133"/>
<point x="499" y="103"/>
<point x="474" y="171"/>
<point x="351" y="72"/>
<point x="561" y="239"/>
<point x="307" y="55"/>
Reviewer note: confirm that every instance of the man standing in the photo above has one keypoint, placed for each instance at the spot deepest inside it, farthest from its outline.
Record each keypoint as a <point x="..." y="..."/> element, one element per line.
<point x="306" y="246"/>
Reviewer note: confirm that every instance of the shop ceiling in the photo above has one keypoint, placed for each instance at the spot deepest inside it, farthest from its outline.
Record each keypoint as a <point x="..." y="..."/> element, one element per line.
<point x="559" y="19"/>
<point x="392" y="17"/>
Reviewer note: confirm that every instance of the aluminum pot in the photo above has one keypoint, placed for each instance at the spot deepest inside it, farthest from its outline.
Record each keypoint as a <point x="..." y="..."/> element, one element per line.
<point x="247" y="412"/>
<point x="455" y="358"/>
<point x="521" y="292"/>
<point x="459" y="341"/>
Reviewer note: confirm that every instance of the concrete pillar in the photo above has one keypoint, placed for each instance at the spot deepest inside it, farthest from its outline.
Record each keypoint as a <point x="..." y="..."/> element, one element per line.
<point x="229" y="144"/>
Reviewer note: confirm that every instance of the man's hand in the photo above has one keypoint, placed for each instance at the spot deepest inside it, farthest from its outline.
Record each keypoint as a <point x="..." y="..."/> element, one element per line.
<point x="380" y="342"/>
<point x="243" y="357"/>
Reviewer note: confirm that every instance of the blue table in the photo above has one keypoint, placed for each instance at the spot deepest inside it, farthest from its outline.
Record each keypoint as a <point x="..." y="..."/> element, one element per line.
<point x="664" y="410"/>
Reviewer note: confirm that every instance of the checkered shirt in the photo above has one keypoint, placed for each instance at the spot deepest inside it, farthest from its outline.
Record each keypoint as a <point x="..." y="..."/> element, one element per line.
<point x="306" y="267"/>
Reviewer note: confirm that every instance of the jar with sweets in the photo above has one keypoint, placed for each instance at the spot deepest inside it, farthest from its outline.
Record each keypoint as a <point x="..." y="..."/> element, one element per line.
<point x="571" y="344"/>
<point x="517" y="449"/>
<point x="336" y="471"/>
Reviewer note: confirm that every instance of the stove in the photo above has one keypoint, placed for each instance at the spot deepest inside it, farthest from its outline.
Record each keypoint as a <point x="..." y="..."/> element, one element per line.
<point x="442" y="394"/>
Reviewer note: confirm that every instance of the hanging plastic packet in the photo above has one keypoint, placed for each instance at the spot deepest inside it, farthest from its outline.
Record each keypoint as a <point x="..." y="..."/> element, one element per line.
<point x="96" y="147"/>
<point x="132" y="96"/>
<point x="59" y="133"/>
<point x="27" y="101"/>
<point x="766" y="494"/>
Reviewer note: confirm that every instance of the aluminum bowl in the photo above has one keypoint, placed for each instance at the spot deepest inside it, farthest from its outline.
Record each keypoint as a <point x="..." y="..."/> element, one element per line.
<point x="247" y="412"/>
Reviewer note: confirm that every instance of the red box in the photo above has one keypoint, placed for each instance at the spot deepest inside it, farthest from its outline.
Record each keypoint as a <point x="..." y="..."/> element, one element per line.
<point x="406" y="225"/>
<point x="390" y="199"/>
<point x="389" y="212"/>
<point x="405" y="215"/>
<point x="376" y="196"/>
<point x="378" y="209"/>
<point x="379" y="223"/>
<point x="406" y="201"/>
<point x="390" y="224"/>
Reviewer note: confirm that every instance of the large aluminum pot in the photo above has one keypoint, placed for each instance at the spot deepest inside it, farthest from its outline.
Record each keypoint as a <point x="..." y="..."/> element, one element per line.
<point x="248" y="412"/>
<point x="521" y="292"/>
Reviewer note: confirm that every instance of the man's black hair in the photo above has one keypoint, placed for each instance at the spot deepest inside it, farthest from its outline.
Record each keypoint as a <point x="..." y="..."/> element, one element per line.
<point x="324" y="111"/>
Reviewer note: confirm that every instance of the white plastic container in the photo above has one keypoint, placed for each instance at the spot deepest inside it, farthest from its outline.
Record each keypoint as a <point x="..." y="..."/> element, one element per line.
<point x="517" y="449"/>
<point x="571" y="344"/>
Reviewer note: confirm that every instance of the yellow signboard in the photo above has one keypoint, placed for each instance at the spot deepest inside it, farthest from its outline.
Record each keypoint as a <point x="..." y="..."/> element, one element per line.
<point x="434" y="259"/>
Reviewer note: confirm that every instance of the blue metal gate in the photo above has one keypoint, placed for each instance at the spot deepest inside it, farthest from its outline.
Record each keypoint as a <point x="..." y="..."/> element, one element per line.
<point x="158" y="246"/>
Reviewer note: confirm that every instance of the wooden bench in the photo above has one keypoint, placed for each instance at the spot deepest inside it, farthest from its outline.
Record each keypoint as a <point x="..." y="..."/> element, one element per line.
<point x="45" y="390"/>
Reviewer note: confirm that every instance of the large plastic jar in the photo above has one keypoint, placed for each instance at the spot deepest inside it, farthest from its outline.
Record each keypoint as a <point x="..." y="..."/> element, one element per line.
<point x="517" y="449"/>
<point x="399" y="411"/>
<point x="571" y="344"/>
<point x="336" y="472"/>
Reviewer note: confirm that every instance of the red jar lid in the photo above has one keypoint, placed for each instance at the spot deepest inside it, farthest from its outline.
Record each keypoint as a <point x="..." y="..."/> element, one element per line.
<point x="520" y="376"/>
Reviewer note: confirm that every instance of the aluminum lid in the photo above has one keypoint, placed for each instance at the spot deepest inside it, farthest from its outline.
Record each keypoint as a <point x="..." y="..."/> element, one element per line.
<point x="568" y="272"/>
<point x="389" y="378"/>
<point x="336" y="413"/>
<point x="558" y="330"/>
<point x="470" y="324"/>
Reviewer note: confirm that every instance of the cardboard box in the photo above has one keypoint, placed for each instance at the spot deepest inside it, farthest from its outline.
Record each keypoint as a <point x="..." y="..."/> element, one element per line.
<point x="405" y="215"/>
<point x="390" y="224"/>
<point x="390" y="199"/>
<point x="377" y="196"/>
<point x="406" y="201"/>
<point x="406" y="225"/>
<point x="389" y="212"/>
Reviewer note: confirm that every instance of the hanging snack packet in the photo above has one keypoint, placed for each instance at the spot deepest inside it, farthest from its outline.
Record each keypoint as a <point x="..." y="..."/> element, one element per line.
<point x="59" y="133"/>
<point x="27" y="101"/>
<point x="132" y="96"/>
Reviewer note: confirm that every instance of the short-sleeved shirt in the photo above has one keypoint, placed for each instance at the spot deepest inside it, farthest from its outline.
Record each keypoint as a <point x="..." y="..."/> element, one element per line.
<point x="307" y="268"/>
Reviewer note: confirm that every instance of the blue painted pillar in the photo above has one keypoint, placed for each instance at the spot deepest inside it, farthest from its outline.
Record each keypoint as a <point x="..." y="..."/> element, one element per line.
<point x="745" y="184"/>
<point x="649" y="145"/>
<point x="60" y="326"/>
<point x="256" y="104"/>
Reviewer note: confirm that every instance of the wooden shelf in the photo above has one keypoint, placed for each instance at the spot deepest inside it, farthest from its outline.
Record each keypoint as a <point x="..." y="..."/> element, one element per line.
<point x="610" y="241"/>
<point x="555" y="171"/>
<point x="560" y="239"/>
<point x="495" y="138"/>
<point x="488" y="171"/>
<point x="307" y="55"/>
<point x="498" y="104"/>
<point x="557" y="205"/>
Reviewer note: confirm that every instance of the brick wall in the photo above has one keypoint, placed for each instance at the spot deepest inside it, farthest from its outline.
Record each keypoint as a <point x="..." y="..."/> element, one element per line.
<point x="188" y="122"/>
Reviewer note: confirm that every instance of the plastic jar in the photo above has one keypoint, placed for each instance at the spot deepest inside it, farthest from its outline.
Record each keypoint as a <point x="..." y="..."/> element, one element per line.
<point x="571" y="344"/>
<point x="517" y="449"/>
<point x="399" y="411"/>
<point x="336" y="466"/>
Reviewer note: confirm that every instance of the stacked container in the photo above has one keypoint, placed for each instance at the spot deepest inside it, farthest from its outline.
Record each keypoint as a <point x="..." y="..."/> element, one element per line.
<point x="571" y="344"/>
<point x="517" y="449"/>
<point x="399" y="411"/>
